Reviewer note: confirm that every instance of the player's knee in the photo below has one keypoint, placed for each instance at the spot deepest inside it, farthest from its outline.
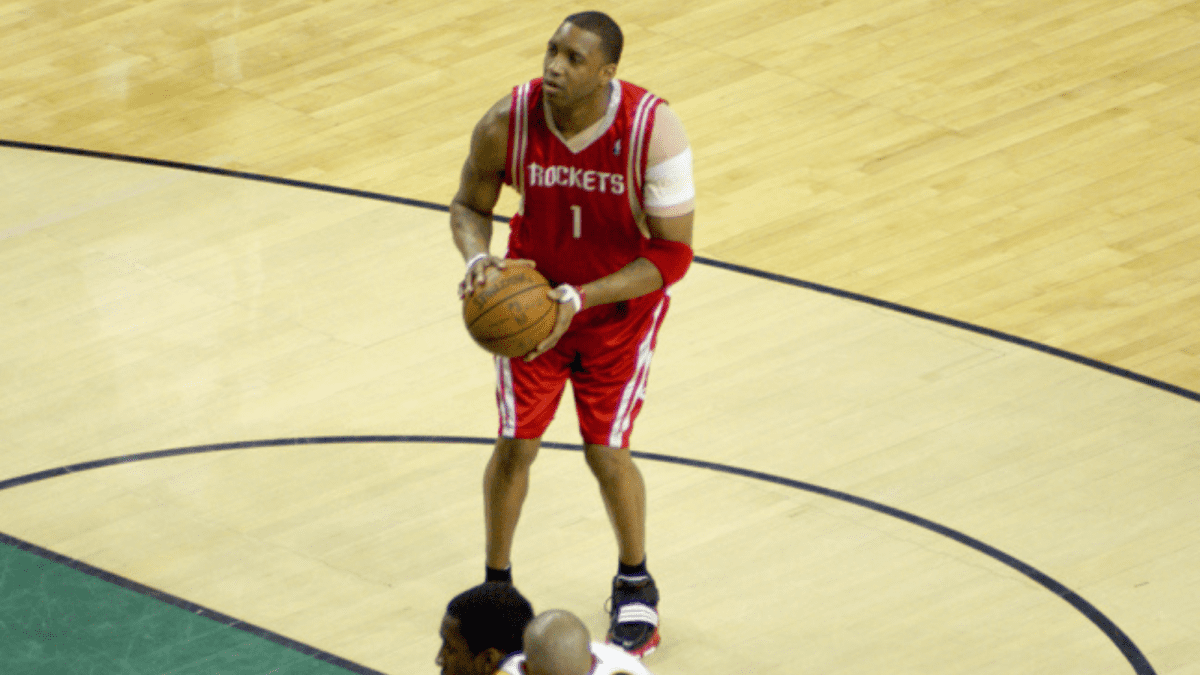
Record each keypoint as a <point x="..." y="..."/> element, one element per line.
<point x="605" y="462"/>
<point x="515" y="454"/>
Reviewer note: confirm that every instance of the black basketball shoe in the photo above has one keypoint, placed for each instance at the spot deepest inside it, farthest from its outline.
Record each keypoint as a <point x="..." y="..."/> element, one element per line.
<point x="633" y="617"/>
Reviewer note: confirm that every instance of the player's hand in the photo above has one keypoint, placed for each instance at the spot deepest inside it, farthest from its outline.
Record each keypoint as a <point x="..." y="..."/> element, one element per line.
<point x="477" y="273"/>
<point x="568" y="299"/>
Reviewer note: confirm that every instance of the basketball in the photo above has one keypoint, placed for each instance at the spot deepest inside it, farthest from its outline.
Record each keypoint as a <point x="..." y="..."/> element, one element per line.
<point x="510" y="314"/>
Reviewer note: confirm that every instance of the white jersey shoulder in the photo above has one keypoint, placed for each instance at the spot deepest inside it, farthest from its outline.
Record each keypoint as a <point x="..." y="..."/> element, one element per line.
<point x="610" y="660"/>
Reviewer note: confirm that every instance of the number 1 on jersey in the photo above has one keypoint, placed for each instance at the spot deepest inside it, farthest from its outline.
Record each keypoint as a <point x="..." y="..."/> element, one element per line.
<point x="577" y="215"/>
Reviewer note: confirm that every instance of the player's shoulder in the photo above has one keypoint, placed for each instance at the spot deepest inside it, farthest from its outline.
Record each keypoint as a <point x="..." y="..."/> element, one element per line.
<point x="665" y="116"/>
<point x="502" y="109"/>
<point x="512" y="664"/>
<point x="497" y="115"/>
<point x="636" y="94"/>
<point x="635" y="89"/>
<point x="611" y="660"/>
<point x="490" y="138"/>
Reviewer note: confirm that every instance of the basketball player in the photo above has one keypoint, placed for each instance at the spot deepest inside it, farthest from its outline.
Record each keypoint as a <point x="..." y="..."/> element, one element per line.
<point x="481" y="628"/>
<point x="604" y="172"/>
<point x="557" y="643"/>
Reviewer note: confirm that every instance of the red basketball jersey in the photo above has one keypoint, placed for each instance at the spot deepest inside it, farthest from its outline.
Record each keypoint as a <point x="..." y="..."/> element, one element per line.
<point x="581" y="214"/>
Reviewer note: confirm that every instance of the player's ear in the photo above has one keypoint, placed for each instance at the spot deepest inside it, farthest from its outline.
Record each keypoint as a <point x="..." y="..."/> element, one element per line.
<point x="489" y="660"/>
<point x="608" y="71"/>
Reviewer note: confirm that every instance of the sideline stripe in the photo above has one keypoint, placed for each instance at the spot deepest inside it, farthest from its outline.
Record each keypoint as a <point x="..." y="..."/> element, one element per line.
<point x="1141" y="666"/>
<point x="731" y="267"/>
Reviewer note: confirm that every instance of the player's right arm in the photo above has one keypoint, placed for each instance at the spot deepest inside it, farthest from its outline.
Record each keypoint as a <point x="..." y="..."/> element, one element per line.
<point x="478" y="191"/>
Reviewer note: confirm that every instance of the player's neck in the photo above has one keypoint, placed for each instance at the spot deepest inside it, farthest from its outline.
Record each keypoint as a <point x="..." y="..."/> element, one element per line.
<point x="571" y="121"/>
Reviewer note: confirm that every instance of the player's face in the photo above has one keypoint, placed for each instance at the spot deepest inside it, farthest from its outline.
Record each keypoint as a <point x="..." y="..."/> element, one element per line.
<point x="455" y="657"/>
<point x="574" y="67"/>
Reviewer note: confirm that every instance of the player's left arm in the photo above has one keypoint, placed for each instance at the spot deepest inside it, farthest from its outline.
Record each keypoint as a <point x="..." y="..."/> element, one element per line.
<point x="669" y="197"/>
<point x="670" y="211"/>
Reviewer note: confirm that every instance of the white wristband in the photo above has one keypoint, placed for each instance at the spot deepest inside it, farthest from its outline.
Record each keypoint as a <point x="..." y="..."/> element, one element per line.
<point x="571" y="295"/>
<point x="474" y="259"/>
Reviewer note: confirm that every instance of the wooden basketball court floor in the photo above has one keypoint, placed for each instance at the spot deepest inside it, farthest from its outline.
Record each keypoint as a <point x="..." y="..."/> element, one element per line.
<point x="925" y="404"/>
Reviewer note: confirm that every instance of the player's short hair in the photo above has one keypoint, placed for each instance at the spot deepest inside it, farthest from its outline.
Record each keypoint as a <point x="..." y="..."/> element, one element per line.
<point x="491" y="614"/>
<point x="612" y="41"/>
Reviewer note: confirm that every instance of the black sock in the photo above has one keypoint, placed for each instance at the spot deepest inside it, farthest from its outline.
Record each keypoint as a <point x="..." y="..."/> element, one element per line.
<point x="638" y="570"/>
<point x="493" y="574"/>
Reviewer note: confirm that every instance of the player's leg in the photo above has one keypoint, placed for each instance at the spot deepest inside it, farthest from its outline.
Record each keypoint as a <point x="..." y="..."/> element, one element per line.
<point x="505" y="484"/>
<point x="624" y="495"/>
<point x="609" y="388"/>
<point x="634" y="610"/>
<point x="527" y="394"/>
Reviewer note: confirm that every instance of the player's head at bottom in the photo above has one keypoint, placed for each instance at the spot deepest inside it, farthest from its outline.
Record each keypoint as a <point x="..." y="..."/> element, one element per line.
<point x="557" y="643"/>
<point x="482" y="626"/>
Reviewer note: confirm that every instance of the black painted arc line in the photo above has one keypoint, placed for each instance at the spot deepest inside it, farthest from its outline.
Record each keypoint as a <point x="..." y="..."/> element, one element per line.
<point x="731" y="267"/>
<point x="955" y="323"/>
<point x="228" y="173"/>
<point x="188" y="606"/>
<point x="1131" y="652"/>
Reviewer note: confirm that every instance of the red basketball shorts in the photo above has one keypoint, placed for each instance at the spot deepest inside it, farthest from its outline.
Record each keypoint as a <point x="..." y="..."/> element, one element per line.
<point x="607" y="360"/>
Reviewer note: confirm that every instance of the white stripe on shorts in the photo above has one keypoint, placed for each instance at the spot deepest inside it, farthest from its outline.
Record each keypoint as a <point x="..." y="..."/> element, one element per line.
<point x="635" y="388"/>
<point x="506" y="402"/>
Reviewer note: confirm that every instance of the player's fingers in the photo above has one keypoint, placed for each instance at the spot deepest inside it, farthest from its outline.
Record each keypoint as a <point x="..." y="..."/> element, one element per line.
<point x="561" y="324"/>
<point x="543" y="347"/>
<point x="505" y="262"/>
<point x="478" y="276"/>
<point x="566" y="310"/>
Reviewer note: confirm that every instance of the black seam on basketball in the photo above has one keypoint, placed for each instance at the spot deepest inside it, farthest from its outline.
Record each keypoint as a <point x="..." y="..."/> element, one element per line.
<point x="501" y="301"/>
<point x="532" y="324"/>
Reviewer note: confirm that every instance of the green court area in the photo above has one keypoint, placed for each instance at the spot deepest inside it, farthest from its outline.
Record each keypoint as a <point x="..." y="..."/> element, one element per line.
<point x="61" y="617"/>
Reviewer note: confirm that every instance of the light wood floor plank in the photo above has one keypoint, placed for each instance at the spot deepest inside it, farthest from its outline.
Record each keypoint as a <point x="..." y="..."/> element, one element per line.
<point x="1031" y="168"/>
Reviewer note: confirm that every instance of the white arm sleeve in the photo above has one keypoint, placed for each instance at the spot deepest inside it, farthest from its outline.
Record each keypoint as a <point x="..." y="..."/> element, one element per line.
<point x="669" y="190"/>
<point x="669" y="185"/>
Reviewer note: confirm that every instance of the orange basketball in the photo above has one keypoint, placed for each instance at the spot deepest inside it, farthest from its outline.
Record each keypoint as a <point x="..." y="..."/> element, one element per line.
<point x="510" y="314"/>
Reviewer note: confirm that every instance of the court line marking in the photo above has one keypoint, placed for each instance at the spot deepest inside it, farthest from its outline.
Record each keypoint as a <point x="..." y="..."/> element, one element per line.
<point x="1131" y="652"/>
<point x="732" y="267"/>
<point x="188" y="606"/>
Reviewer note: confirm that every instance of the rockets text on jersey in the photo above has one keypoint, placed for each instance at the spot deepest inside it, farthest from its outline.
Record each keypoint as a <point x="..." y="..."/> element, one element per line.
<point x="575" y="178"/>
